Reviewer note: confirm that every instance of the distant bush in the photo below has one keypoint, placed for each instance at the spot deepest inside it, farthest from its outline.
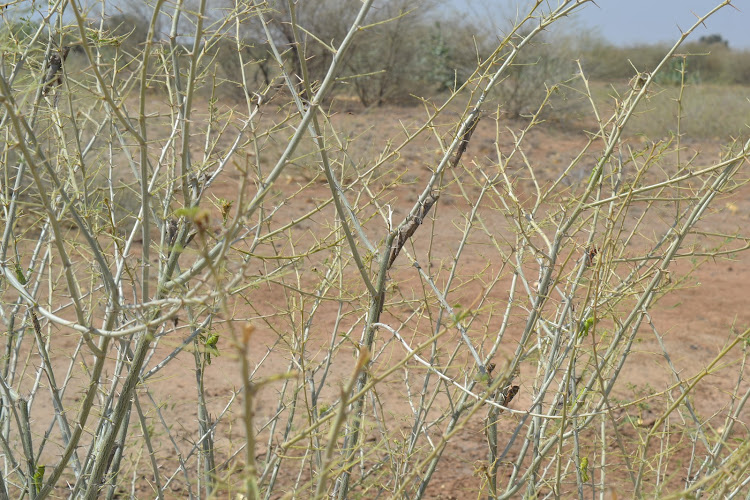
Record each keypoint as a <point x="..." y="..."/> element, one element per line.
<point x="539" y="67"/>
<point x="131" y="29"/>
<point x="603" y="61"/>
<point x="254" y="57"/>
<point x="709" y="60"/>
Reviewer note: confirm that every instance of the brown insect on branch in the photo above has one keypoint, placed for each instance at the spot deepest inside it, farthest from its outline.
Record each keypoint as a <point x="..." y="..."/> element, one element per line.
<point x="591" y="254"/>
<point x="464" y="143"/>
<point x="54" y="77"/>
<point x="408" y="229"/>
<point x="509" y="393"/>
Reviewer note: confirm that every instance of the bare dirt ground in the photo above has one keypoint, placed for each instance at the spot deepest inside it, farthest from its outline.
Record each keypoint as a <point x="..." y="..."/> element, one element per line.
<point x="696" y="321"/>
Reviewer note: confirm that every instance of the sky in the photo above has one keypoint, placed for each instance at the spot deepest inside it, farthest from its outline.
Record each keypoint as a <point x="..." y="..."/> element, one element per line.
<point x="622" y="22"/>
<point x="631" y="22"/>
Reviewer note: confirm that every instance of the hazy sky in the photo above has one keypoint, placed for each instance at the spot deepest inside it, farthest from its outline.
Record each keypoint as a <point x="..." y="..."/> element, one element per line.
<point x="638" y="21"/>
<point x="622" y="22"/>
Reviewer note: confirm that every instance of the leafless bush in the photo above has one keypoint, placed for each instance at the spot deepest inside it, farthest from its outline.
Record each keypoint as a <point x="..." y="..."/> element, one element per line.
<point x="362" y="336"/>
<point x="538" y="68"/>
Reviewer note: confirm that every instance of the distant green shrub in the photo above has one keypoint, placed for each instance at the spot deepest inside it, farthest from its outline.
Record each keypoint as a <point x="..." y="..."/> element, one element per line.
<point x="710" y="60"/>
